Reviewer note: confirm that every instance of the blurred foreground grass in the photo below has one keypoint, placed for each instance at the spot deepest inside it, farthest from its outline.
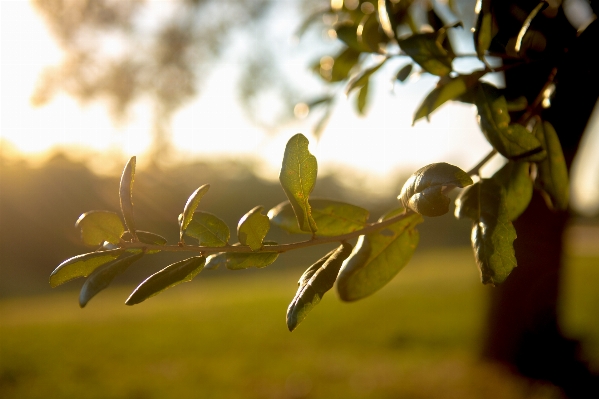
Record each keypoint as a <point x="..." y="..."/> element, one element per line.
<point x="226" y="337"/>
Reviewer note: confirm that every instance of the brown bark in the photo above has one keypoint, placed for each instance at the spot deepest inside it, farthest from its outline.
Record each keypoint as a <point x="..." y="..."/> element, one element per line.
<point x="523" y="325"/>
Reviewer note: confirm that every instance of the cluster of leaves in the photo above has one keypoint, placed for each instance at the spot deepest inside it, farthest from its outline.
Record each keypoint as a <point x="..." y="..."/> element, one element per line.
<point x="530" y="146"/>
<point x="383" y="247"/>
<point x="374" y="32"/>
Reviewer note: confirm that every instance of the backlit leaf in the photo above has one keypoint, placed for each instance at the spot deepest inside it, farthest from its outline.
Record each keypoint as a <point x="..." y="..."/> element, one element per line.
<point x="314" y="283"/>
<point x="101" y="278"/>
<point x="208" y="229"/>
<point x="343" y="64"/>
<point x="214" y="261"/>
<point x="493" y="234"/>
<point x="333" y="218"/>
<point x="126" y="196"/>
<point x="320" y="101"/>
<point x="298" y="176"/>
<point x="518" y="104"/>
<point x="190" y="207"/>
<point x="517" y="185"/>
<point x="252" y="228"/>
<point x="512" y="141"/>
<point x="362" y="99"/>
<point x="447" y="89"/>
<point x="426" y="49"/>
<point x="552" y="171"/>
<point x="423" y="191"/>
<point x="99" y="226"/>
<point x="404" y="72"/>
<point x="362" y="79"/>
<point x="81" y="266"/>
<point x="238" y="261"/>
<point x="179" y="272"/>
<point x="385" y="20"/>
<point x="147" y="238"/>
<point x="483" y="31"/>
<point x="378" y="257"/>
<point x="347" y="33"/>
<point x="369" y="34"/>
<point x="541" y="6"/>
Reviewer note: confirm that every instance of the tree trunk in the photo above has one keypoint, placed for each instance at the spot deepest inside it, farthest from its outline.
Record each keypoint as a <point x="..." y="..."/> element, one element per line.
<point x="523" y="326"/>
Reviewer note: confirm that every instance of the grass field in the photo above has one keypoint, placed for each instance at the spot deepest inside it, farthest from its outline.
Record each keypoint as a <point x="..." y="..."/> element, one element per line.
<point x="225" y="337"/>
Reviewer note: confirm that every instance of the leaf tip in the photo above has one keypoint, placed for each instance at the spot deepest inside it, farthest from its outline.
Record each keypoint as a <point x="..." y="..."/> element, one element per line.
<point x="291" y="322"/>
<point x="131" y="300"/>
<point x="53" y="282"/>
<point x="82" y="302"/>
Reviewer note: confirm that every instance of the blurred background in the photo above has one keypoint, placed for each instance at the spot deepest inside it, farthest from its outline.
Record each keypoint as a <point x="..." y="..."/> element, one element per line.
<point x="210" y="92"/>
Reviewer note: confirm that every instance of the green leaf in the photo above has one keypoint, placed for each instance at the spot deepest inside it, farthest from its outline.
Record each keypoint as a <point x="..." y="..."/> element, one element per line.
<point x="81" y="266"/>
<point x="343" y="64"/>
<point x="423" y="191"/>
<point x="320" y="101"/>
<point x="369" y="34"/>
<point x="552" y="171"/>
<point x="517" y="104"/>
<point x="314" y="283"/>
<point x="362" y="99"/>
<point x="298" y="177"/>
<point x="362" y="79"/>
<point x="214" y="261"/>
<point x="483" y="31"/>
<point x="447" y="89"/>
<point x="252" y="228"/>
<point x="208" y="229"/>
<point x="103" y="276"/>
<point x="541" y="6"/>
<point x="512" y="141"/>
<point x="493" y="234"/>
<point x="404" y="72"/>
<point x="347" y="32"/>
<point x="126" y="196"/>
<point x="378" y="257"/>
<point x="514" y="178"/>
<point x="426" y="49"/>
<point x="384" y="19"/>
<point x="190" y="208"/>
<point x="147" y="238"/>
<point x="238" y="261"/>
<point x="333" y="218"/>
<point x="99" y="226"/>
<point x="179" y="272"/>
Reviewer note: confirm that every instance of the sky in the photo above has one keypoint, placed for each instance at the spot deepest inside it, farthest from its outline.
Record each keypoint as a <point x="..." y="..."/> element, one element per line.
<point x="371" y="151"/>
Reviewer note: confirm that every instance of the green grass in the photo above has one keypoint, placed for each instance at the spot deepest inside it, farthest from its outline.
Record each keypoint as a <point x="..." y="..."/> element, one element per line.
<point x="226" y="337"/>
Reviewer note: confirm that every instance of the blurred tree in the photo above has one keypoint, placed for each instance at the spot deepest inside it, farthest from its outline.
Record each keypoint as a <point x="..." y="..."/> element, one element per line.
<point x="524" y="327"/>
<point x="123" y="51"/>
<point x="546" y="51"/>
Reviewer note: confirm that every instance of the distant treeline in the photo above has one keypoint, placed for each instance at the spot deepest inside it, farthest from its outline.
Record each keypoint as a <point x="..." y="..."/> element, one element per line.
<point x="39" y="207"/>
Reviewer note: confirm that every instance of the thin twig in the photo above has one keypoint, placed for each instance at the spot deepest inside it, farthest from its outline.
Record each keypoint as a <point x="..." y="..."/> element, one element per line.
<point x="280" y="248"/>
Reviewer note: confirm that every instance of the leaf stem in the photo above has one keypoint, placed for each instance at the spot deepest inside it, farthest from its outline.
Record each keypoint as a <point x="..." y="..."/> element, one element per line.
<point x="475" y="170"/>
<point x="280" y="248"/>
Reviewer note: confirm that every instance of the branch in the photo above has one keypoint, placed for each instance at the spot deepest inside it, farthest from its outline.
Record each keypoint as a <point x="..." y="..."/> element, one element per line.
<point x="280" y="248"/>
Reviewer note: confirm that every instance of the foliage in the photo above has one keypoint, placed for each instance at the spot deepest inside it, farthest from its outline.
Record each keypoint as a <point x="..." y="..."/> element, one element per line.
<point x="514" y="129"/>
